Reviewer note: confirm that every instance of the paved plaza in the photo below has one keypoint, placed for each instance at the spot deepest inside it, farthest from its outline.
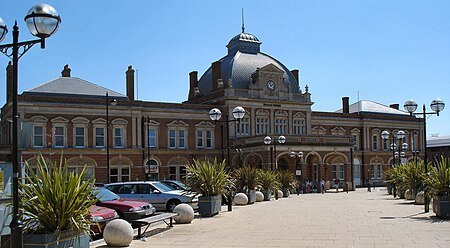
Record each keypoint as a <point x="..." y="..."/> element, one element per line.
<point x="354" y="219"/>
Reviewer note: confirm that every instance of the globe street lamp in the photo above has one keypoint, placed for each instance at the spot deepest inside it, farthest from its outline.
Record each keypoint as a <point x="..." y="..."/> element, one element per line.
<point x="273" y="166"/>
<point x="394" y="138"/>
<point x="42" y="21"/>
<point x="215" y="114"/>
<point x="113" y="102"/>
<point x="437" y="106"/>
<point x="298" y="169"/>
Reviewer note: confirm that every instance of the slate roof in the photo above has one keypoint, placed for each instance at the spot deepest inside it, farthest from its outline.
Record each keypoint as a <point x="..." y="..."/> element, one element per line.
<point x="367" y="106"/>
<point x="71" y="86"/>
<point x="438" y="141"/>
<point x="243" y="58"/>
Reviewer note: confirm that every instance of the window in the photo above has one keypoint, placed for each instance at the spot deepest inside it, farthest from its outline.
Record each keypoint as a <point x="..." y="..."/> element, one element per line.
<point x="262" y="125"/>
<point x="299" y="126"/>
<point x="376" y="171"/>
<point x="118" y="138"/>
<point x="243" y="126"/>
<point x="172" y="139"/>
<point x="80" y="137"/>
<point x="385" y="144"/>
<point x="177" y="138"/>
<point x="355" y="132"/>
<point x="281" y="126"/>
<point x="152" y="170"/>
<point x="152" y="137"/>
<point x="38" y="136"/>
<point x="181" y="138"/>
<point x="177" y="172"/>
<point x="414" y="141"/>
<point x="204" y="138"/>
<point x="99" y="137"/>
<point x="78" y="168"/>
<point x="375" y="142"/>
<point x="59" y="137"/>
<point x="119" y="174"/>
<point x="338" y="171"/>
<point x="177" y="134"/>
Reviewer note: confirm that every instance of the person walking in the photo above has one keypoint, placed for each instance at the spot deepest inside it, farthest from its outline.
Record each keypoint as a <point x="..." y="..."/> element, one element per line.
<point x="368" y="185"/>
<point x="322" y="186"/>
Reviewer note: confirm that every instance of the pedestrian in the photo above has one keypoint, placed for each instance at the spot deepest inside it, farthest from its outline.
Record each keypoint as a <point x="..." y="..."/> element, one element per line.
<point x="322" y="185"/>
<point x="337" y="184"/>
<point x="368" y="185"/>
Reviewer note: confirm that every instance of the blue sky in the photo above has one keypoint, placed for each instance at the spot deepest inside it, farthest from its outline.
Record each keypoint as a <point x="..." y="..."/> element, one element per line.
<point x="385" y="51"/>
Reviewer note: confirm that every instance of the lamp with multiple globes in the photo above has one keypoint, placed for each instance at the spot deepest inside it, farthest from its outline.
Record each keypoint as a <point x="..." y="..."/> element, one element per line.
<point x="437" y="106"/>
<point x="42" y="21"/>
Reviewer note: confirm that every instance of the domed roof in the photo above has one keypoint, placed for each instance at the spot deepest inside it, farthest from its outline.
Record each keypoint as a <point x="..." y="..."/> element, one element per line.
<point x="239" y="66"/>
<point x="244" y="37"/>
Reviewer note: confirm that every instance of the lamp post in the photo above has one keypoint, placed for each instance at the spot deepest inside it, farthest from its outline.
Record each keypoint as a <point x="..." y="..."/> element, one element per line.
<point x="298" y="171"/>
<point x="273" y="166"/>
<point x="215" y="114"/>
<point x="42" y="21"/>
<point x="437" y="106"/>
<point x="147" y="170"/>
<point x="385" y="135"/>
<point x="113" y="102"/>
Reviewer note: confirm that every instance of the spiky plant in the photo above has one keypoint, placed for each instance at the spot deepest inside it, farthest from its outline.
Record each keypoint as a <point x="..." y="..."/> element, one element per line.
<point x="246" y="178"/>
<point x="286" y="179"/>
<point x="438" y="181"/>
<point x="268" y="179"/>
<point x="54" y="200"/>
<point x="208" y="178"/>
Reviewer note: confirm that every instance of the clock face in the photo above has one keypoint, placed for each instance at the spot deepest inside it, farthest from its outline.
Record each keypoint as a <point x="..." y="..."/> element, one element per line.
<point x="270" y="85"/>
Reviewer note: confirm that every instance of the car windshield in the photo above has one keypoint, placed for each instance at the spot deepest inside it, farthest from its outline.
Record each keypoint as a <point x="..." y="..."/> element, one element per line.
<point x="161" y="187"/>
<point x="104" y="195"/>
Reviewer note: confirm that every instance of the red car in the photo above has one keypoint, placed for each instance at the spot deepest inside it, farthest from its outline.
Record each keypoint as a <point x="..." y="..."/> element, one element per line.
<point x="101" y="216"/>
<point x="127" y="209"/>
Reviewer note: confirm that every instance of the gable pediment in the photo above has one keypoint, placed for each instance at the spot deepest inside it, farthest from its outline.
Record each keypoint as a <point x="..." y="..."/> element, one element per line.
<point x="271" y="68"/>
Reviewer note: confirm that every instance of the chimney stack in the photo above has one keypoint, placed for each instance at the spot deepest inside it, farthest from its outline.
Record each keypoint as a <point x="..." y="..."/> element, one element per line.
<point x="295" y="73"/>
<point x="66" y="71"/>
<point x="193" y="82"/>
<point x="130" y="83"/>
<point x="395" y="106"/>
<point x="9" y="81"/>
<point x="216" y="74"/>
<point x="345" y="105"/>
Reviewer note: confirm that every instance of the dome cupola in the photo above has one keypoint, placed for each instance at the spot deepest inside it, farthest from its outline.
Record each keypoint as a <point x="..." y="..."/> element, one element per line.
<point x="244" y="42"/>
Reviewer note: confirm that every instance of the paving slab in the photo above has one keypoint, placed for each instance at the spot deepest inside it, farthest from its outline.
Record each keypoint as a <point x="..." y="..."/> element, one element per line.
<point x="355" y="219"/>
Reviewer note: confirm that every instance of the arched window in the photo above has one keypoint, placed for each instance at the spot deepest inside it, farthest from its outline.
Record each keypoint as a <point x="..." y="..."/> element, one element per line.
<point x="152" y="170"/>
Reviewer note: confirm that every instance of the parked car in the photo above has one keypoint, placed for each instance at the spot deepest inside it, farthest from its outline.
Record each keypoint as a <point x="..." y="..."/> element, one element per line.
<point x="175" y="185"/>
<point x="101" y="216"/>
<point x="158" y="194"/>
<point x="128" y="210"/>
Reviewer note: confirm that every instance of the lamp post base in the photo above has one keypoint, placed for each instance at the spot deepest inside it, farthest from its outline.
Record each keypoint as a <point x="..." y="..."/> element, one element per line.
<point x="16" y="227"/>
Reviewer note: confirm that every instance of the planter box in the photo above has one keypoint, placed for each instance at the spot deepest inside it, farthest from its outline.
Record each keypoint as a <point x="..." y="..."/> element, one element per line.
<point x="441" y="206"/>
<point x="267" y="193"/>
<point x="67" y="239"/>
<point x="251" y="195"/>
<point x="209" y="205"/>
<point x="286" y="192"/>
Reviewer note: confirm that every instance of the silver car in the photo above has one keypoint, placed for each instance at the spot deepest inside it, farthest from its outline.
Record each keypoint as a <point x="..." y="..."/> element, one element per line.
<point x="162" y="197"/>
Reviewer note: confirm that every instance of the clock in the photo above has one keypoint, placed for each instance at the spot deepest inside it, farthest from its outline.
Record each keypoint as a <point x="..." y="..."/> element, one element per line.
<point x="270" y="85"/>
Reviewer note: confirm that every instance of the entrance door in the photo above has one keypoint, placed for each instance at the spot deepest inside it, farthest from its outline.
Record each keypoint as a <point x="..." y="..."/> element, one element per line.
<point x="357" y="171"/>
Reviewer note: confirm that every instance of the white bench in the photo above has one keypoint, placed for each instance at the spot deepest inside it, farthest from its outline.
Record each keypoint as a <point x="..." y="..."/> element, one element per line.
<point x="153" y="219"/>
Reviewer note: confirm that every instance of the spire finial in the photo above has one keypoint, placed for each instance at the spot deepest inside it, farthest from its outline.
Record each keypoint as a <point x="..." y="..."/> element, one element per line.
<point x="243" y="27"/>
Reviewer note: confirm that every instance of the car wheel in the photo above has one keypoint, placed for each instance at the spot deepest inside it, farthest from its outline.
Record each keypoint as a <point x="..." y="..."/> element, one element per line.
<point x="171" y="205"/>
